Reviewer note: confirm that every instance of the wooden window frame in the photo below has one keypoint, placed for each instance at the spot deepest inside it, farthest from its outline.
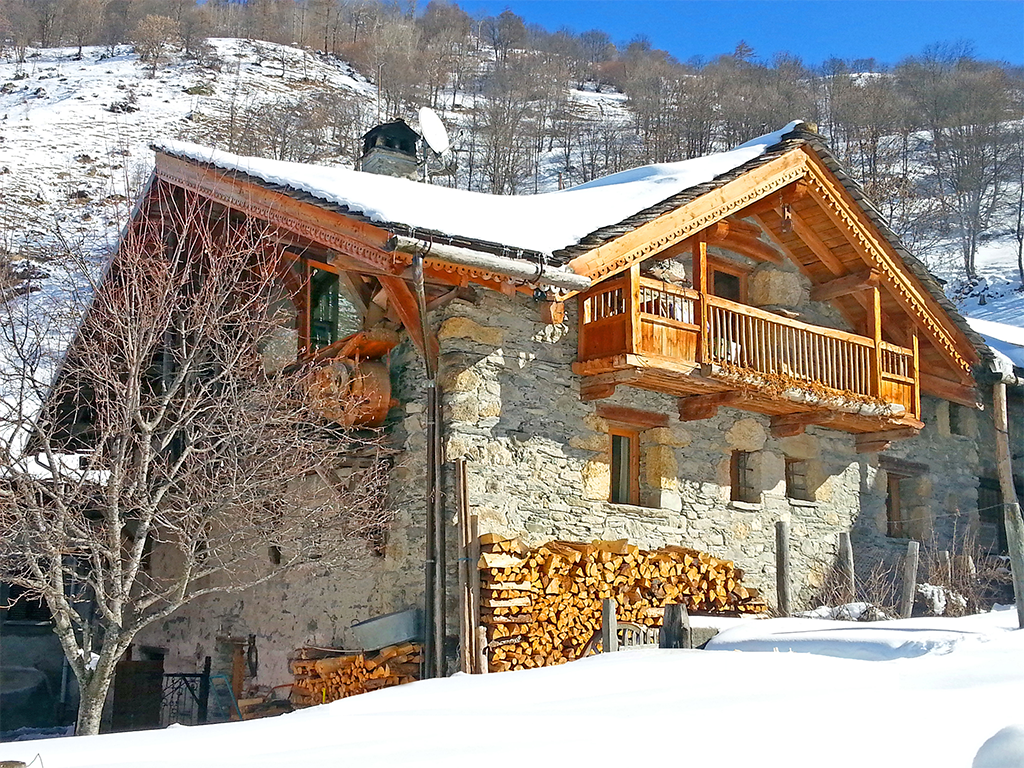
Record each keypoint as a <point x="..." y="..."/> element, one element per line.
<point x="796" y="469"/>
<point x="716" y="264"/>
<point x="741" y="477"/>
<point x="632" y="437"/>
<point x="301" y="289"/>
<point x="896" y="527"/>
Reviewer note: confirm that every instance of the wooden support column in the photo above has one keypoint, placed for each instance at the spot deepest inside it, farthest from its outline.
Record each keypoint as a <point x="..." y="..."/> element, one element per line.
<point x="875" y="333"/>
<point x="609" y="626"/>
<point x="633" y="309"/>
<point x="700" y="284"/>
<point x="1011" y="506"/>
<point x="783" y="582"/>
<point x="915" y="345"/>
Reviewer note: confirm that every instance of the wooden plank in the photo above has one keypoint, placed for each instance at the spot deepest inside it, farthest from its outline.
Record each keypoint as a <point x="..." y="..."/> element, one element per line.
<point x="841" y="286"/>
<point x="632" y="416"/>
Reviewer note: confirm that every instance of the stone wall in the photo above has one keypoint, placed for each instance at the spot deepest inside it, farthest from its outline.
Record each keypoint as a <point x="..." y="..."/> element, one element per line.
<point x="539" y="460"/>
<point x="317" y="607"/>
<point x="538" y="467"/>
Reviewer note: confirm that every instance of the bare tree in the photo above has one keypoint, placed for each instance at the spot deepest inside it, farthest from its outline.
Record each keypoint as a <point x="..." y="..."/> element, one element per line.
<point x="153" y="37"/>
<point x="164" y="430"/>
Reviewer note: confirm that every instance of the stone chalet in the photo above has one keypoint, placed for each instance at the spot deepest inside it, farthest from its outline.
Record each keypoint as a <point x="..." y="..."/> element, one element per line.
<point x="678" y="354"/>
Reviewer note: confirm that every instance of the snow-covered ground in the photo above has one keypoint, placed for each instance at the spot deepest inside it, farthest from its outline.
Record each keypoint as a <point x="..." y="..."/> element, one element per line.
<point x="780" y="692"/>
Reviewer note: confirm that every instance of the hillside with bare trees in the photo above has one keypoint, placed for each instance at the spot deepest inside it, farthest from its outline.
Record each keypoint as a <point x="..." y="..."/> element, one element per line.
<point x="936" y="139"/>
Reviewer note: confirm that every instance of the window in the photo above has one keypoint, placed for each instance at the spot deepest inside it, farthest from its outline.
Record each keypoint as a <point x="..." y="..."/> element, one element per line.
<point x="625" y="481"/>
<point x="324" y="314"/>
<point x="744" y="487"/>
<point x="323" y="308"/>
<point x="991" y="523"/>
<point x="797" y="486"/>
<point x="895" y="517"/>
<point x="727" y="281"/>
<point x="902" y="492"/>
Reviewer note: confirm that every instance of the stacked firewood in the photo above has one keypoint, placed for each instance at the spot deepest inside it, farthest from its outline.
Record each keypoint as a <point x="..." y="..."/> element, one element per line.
<point x="320" y="680"/>
<point x="543" y="606"/>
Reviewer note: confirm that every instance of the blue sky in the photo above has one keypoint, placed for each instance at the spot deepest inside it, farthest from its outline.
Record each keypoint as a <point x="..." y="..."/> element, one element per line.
<point x="886" y="30"/>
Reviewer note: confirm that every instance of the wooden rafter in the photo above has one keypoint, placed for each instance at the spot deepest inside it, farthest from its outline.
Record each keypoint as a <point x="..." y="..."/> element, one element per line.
<point x="402" y="299"/>
<point x="878" y="253"/>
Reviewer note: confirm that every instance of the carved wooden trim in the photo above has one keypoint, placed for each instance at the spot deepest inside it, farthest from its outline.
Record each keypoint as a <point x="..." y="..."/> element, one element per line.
<point x="895" y="278"/>
<point x="689" y="219"/>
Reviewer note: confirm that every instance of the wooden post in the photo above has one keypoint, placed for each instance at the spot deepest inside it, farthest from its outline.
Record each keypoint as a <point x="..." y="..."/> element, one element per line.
<point x="916" y="346"/>
<point x="1011" y="506"/>
<point x="675" y="628"/>
<point x="479" y="632"/>
<point x="846" y="567"/>
<point x="700" y="284"/>
<point x="632" y="298"/>
<point x="782" y="580"/>
<point x="910" y="579"/>
<point x="609" y="627"/>
<point x="946" y="567"/>
<point x="482" y="666"/>
<point x="875" y="331"/>
<point x="467" y="637"/>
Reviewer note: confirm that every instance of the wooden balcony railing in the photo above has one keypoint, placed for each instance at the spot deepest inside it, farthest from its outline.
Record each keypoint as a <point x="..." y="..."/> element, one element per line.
<point x="637" y="315"/>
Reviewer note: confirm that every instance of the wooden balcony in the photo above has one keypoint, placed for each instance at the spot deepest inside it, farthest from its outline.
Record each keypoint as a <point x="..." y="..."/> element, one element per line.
<point x="709" y="351"/>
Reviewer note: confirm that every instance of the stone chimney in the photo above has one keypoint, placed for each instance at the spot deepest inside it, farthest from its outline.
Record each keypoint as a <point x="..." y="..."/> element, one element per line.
<point x="390" y="150"/>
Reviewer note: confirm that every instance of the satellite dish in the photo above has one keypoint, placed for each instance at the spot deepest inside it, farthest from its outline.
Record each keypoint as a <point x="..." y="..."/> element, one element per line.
<point x="433" y="130"/>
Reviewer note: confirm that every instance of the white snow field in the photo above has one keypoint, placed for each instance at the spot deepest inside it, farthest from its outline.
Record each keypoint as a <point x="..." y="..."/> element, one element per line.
<point x="934" y="692"/>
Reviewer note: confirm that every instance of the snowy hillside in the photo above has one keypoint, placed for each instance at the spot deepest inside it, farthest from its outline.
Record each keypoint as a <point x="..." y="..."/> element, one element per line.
<point x="783" y="693"/>
<point x="75" y="136"/>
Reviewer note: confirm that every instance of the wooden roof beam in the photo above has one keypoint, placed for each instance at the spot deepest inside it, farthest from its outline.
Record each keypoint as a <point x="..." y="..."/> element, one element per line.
<point x="961" y="394"/>
<point x="847" y="284"/>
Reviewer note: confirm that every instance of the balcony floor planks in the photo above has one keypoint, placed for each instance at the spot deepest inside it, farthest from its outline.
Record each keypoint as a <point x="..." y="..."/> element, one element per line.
<point x="679" y="378"/>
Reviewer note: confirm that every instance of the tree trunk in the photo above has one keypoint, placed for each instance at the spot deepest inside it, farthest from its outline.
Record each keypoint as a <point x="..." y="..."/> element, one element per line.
<point x="93" y="693"/>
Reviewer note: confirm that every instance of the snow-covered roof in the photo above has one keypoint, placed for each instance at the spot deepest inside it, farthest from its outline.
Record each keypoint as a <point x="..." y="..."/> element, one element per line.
<point x="1005" y="341"/>
<point x="542" y="223"/>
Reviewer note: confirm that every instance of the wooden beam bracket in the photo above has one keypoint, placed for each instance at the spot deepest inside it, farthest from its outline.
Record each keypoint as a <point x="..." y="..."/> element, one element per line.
<point x="700" y="407"/>
<point x="847" y="284"/>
